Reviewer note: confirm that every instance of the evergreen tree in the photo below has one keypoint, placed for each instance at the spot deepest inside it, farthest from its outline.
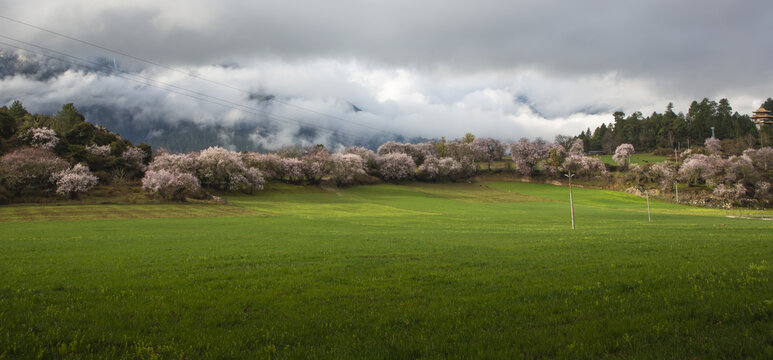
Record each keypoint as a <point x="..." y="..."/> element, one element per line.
<point x="17" y="110"/>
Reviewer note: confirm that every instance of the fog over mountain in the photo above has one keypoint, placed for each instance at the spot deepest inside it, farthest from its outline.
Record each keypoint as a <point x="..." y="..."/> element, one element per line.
<point x="353" y="72"/>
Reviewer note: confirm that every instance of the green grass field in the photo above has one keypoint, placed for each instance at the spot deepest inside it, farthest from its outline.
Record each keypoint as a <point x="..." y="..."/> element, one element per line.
<point x="486" y="270"/>
<point x="640" y="158"/>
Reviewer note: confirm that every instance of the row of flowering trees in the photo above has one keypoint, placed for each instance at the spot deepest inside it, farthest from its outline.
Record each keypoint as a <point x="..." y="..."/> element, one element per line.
<point x="744" y="179"/>
<point x="175" y="176"/>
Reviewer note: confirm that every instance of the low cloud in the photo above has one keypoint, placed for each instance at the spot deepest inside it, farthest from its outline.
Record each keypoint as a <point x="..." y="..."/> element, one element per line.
<point x="274" y="103"/>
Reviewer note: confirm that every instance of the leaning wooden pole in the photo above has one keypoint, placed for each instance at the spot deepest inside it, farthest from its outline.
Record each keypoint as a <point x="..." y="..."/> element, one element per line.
<point x="571" y="199"/>
<point x="649" y="216"/>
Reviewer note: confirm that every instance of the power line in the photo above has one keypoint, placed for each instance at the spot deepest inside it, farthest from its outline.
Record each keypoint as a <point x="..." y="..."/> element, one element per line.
<point x="180" y="90"/>
<point x="186" y="73"/>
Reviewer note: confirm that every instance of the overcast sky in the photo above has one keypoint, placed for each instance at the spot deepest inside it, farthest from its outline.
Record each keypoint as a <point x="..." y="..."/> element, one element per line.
<point x="505" y="69"/>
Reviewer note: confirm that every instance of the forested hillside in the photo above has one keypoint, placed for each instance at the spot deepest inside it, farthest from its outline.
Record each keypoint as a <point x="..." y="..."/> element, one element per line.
<point x="669" y="130"/>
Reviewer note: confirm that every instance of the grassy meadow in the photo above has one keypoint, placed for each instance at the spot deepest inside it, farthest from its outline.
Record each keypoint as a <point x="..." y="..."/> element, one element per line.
<point x="483" y="270"/>
<point x="638" y="158"/>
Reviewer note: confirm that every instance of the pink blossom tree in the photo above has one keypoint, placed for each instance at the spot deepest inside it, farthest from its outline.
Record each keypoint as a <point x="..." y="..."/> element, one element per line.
<point x="293" y="169"/>
<point x="581" y="165"/>
<point x="135" y="157"/>
<point x="170" y="184"/>
<point x="344" y="168"/>
<point x="730" y="194"/>
<point x="487" y="150"/>
<point x="42" y="138"/>
<point x="713" y="146"/>
<point x="429" y="170"/>
<point x="763" y="190"/>
<point x="73" y="181"/>
<point x="222" y="169"/>
<point x="736" y="169"/>
<point x="270" y="165"/>
<point x="467" y="168"/>
<point x="762" y="158"/>
<point x="526" y="154"/>
<point x="664" y="173"/>
<point x="316" y="164"/>
<point x="434" y="169"/>
<point x="458" y="150"/>
<point x="367" y="155"/>
<point x="29" y="169"/>
<point x="556" y="156"/>
<point x="186" y="163"/>
<point x="577" y="147"/>
<point x="417" y="152"/>
<point x="455" y="170"/>
<point x="396" y="167"/>
<point x="623" y="154"/>
<point x="698" y="167"/>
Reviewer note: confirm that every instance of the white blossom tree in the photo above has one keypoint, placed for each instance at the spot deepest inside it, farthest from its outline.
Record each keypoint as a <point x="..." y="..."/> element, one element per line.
<point x="42" y="138"/>
<point x="222" y="169"/>
<point x="623" y="154"/>
<point x="73" y="181"/>
<point x="396" y="167"/>
<point x="170" y="184"/>
<point x="344" y="168"/>
<point x="713" y="146"/>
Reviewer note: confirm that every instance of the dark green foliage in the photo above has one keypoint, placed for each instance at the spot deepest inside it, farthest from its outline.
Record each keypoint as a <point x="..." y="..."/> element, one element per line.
<point x="148" y="153"/>
<point x="82" y="133"/>
<point x="768" y="104"/>
<point x="36" y="121"/>
<point x="117" y="147"/>
<point x="17" y="110"/>
<point x="669" y="129"/>
<point x="556" y="159"/>
<point x="8" y="124"/>
<point x="5" y="196"/>
<point x="76" y="152"/>
<point x="67" y="119"/>
<point x="104" y="137"/>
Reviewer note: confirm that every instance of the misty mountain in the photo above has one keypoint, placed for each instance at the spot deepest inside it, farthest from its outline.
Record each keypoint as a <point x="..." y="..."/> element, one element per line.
<point x="140" y="121"/>
<point x="187" y="135"/>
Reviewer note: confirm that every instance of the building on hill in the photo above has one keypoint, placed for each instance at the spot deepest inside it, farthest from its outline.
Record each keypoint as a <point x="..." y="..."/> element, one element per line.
<point x="762" y="116"/>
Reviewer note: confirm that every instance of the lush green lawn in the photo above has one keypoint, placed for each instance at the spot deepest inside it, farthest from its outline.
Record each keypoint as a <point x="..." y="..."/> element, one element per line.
<point x="432" y="271"/>
<point x="641" y="159"/>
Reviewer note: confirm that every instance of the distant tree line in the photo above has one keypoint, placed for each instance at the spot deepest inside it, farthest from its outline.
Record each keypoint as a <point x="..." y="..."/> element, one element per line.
<point x="663" y="132"/>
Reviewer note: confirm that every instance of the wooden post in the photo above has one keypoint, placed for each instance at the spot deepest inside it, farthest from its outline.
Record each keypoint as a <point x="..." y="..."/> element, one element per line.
<point x="571" y="198"/>
<point x="676" y="189"/>
<point x="649" y="217"/>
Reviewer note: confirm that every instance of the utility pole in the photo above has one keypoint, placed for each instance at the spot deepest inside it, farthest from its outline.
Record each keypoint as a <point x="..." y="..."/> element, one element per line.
<point x="649" y="216"/>
<point x="712" y="132"/>
<point x="676" y="189"/>
<point x="571" y="198"/>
